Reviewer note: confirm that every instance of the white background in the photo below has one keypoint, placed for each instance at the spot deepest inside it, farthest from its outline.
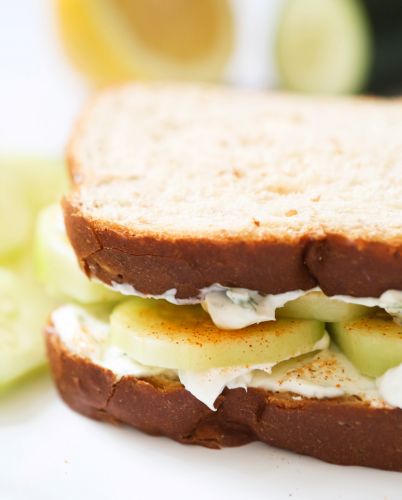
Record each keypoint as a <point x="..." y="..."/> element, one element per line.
<point x="47" y="452"/>
<point x="39" y="93"/>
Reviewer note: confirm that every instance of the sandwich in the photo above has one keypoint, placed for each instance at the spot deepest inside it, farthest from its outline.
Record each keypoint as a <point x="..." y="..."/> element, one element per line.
<point x="245" y="257"/>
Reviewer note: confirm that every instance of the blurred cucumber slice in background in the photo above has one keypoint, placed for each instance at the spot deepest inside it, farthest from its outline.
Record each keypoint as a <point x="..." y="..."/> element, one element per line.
<point x="323" y="46"/>
<point x="56" y="264"/>
<point x="26" y="185"/>
<point x="24" y="309"/>
<point x="340" y="46"/>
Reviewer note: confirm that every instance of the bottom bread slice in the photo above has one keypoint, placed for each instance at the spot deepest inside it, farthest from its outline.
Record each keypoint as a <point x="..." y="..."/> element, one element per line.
<point x="344" y="431"/>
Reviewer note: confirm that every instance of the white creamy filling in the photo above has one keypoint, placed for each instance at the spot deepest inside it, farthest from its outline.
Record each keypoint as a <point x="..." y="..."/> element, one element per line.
<point x="169" y="295"/>
<point x="390" y="386"/>
<point x="238" y="307"/>
<point x="208" y="385"/>
<point x="235" y="308"/>
<point x="326" y="374"/>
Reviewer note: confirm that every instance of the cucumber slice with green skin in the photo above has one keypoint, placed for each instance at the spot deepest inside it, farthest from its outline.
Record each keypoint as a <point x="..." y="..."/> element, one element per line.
<point x="56" y="264"/>
<point x="157" y="333"/>
<point x="26" y="185"/>
<point x="373" y="344"/>
<point x="24" y="309"/>
<point x="324" y="46"/>
<point x="340" y="46"/>
<point x="316" y="305"/>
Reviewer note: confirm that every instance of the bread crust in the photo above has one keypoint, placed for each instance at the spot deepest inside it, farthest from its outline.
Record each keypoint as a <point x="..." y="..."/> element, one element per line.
<point x="155" y="264"/>
<point x="343" y="431"/>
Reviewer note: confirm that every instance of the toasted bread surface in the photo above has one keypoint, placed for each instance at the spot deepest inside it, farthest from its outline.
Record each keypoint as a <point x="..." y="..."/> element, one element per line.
<point x="343" y="431"/>
<point x="180" y="186"/>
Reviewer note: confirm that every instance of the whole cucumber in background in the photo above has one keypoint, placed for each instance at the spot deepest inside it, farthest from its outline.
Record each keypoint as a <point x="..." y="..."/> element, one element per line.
<point x="385" y="21"/>
<point x="26" y="185"/>
<point x="340" y="46"/>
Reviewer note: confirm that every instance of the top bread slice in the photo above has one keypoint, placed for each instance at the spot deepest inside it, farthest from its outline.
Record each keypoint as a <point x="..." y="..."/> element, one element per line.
<point x="183" y="186"/>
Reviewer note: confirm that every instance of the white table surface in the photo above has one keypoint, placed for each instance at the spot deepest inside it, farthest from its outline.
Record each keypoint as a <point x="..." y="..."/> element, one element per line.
<point x="47" y="452"/>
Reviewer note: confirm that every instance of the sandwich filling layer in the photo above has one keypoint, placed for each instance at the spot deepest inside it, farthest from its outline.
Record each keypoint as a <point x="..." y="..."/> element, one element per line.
<point x="324" y="372"/>
<point x="277" y="342"/>
<point x="235" y="308"/>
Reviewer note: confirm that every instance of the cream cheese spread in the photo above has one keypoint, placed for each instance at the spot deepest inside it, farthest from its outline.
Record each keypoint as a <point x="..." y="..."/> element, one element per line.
<point x="169" y="295"/>
<point x="325" y="374"/>
<point x="235" y="308"/>
<point x="390" y="386"/>
<point x="207" y="385"/>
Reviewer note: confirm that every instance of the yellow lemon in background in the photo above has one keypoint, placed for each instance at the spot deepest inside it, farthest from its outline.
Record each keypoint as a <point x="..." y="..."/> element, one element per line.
<point x="116" y="40"/>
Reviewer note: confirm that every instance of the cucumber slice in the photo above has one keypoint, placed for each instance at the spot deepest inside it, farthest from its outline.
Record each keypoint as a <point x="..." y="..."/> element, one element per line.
<point x="26" y="185"/>
<point x="24" y="309"/>
<point x="13" y="233"/>
<point x="373" y="344"/>
<point x="157" y="333"/>
<point x="315" y="305"/>
<point x="56" y="264"/>
<point x="324" y="46"/>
